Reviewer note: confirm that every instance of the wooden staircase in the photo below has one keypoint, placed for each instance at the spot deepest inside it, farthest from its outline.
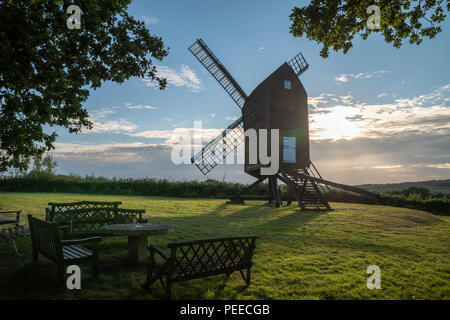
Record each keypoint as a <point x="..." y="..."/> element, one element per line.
<point x="307" y="192"/>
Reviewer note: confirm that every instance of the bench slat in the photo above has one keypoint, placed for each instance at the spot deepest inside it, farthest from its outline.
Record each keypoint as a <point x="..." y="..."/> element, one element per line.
<point x="80" y="250"/>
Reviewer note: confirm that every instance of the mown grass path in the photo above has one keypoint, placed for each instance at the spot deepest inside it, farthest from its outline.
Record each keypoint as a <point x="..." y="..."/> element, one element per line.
<point x="300" y="255"/>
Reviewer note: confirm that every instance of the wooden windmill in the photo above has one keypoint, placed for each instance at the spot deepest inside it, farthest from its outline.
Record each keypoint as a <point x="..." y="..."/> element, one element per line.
<point x="278" y="102"/>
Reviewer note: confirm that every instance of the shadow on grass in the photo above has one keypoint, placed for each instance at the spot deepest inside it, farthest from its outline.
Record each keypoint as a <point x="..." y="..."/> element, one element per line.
<point x="282" y="227"/>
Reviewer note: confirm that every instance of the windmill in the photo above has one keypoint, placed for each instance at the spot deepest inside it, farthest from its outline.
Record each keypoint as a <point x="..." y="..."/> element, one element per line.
<point x="278" y="102"/>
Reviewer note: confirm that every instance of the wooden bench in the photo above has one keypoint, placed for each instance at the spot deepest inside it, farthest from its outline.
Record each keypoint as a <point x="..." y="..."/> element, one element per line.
<point x="59" y="208"/>
<point x="45" y="238"/>
<point x="199" y="259"/>
<point x="86" y="218"/>
<point x="12" y="229"/>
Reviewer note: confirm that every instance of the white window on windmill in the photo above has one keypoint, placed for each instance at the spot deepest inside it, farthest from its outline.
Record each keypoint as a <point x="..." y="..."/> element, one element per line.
<point x="287" y="84"/>
<point x="289" y="150"/>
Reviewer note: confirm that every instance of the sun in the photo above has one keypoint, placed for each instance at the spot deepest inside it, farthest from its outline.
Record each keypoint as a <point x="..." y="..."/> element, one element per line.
<point x="338" y="122"/>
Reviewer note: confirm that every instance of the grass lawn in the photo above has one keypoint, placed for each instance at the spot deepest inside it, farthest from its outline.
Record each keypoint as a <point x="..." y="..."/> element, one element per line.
<point x="300" y="255"/>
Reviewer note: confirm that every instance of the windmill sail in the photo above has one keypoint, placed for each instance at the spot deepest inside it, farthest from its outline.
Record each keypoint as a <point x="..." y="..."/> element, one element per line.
<point x="298" y="64"/>
<point x="218" y="71"/>
<point x="230" y="138"/>
<point x="226" y="142"/>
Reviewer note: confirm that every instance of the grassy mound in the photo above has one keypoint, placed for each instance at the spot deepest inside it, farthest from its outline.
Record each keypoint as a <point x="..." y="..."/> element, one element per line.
<point x="300" y="255"/>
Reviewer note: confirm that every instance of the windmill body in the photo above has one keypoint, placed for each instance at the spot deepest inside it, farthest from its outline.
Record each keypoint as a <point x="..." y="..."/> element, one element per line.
<point x="279" y="102"/>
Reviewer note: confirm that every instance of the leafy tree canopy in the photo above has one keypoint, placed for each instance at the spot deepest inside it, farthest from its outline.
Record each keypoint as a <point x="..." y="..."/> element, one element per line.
<point x="47" y="69"/>
<point x="334" y="23"/>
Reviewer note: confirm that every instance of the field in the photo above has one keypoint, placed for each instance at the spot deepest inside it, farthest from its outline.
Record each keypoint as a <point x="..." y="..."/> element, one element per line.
<point x="300" y="255"/>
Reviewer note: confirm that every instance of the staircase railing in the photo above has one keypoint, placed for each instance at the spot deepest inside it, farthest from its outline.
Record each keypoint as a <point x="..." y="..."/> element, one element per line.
<point x="316" y="174"/>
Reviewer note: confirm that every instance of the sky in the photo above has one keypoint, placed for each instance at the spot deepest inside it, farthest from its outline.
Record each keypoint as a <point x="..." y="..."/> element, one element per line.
<point x="377" y="114"/>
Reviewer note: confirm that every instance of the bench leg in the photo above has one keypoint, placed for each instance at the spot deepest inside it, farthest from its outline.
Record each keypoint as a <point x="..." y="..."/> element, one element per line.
<point x="95" y="261"/>
<point x="14" y="246"/>
<point x="147" y="285"/>
<point x="35" y="256"/>
<point x="95" y="266"/>
<point x="246" y="277"/>
<point x="60" y="275"/>
<point x="168" y="289"/>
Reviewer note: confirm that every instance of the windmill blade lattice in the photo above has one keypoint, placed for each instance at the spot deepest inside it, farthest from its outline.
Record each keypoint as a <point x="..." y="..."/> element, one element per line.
<point x="218" y="71"/>
<point x="230" y="138"/>
<point x="298" y="64"/>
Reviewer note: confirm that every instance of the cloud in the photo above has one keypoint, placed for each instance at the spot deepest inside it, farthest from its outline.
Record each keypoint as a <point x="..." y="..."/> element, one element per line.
<point x="213" y="115"/>
<point x="261" y="51"/>
<point x="340" y="118"/>
<point x="345" y="77"/>
<point x="181" y="77"/>
<point x="231" y="118"/>
<point x="137" y="160"/>
<point x="405" y="139"/>
<point x="437" y="165"/>
<point x="381" y="95"/>
<point x="321" y="99"/>
<point x="102" y="113"/>
<point x="401" y="158"/>
<point x="375" y="159"/>
<point x="103" y="152"/>
<point x="392" y="166"/>
<point x="120" y="125"/>
<point x="172" y="137"/>
<point x="139" y="107"/>
<point x="342" y="78"/>
<point x="100" y="124"/>
<point x="148" y="20"/>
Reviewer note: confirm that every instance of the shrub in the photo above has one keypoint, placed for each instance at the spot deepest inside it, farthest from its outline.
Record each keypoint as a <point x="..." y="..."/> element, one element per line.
<point x="201" y="189"/>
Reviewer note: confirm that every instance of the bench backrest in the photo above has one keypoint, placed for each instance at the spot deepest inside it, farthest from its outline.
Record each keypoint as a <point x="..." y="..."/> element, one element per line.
<point x="211" y="256"/>
<point x="57" y="208"/>
<point x="45" y="237"/>
<point x="92" y="219"/>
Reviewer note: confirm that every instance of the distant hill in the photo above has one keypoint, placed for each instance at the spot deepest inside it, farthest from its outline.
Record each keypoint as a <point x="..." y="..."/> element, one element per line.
<point x="435" y="186"/>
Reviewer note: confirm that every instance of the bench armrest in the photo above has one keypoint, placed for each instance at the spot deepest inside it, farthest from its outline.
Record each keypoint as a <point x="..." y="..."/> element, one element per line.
<point x="80" y="241"/>
<point x="154" y="250"/>
<point x="66" y="230"/>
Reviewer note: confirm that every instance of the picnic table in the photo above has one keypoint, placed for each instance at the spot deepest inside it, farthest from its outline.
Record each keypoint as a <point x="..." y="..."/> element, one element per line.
<point x="137" y="237"/>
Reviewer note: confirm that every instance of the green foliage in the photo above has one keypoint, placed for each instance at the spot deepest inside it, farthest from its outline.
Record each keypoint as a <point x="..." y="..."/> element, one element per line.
<point x="414" y="197"/>
<point x="46" y="69"/>
<point x="419" y="193"/>
<point x="334" y="23"/>
<point x="43" y="182"/>
<point x="436" y="187"/>
<point x="214" y="189"/>
<point x="439" y="206"/>
<point x="299" y="255"/>
<point x="43" y="164"/>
